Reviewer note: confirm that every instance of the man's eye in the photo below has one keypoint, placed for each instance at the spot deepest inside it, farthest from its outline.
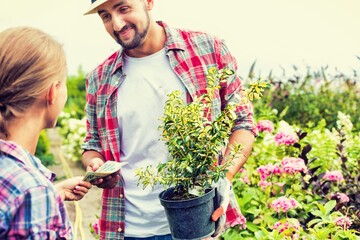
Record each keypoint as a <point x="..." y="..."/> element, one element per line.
<point x="105" y="17"/>
<point x="123" y="9"/>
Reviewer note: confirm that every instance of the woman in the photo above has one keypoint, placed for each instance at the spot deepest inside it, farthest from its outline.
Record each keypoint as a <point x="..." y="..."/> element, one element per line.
<point x="32" y="95"/>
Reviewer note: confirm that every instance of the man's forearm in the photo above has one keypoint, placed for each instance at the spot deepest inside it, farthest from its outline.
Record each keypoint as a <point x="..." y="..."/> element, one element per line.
<point x="246" y="139"/>
<point x="90" y="154"/>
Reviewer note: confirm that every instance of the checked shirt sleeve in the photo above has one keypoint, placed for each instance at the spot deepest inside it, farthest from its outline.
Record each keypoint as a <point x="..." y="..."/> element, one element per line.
<point x="92" y="141"/>
<point x="37" y="214"/>
<point x="245" y="118"/>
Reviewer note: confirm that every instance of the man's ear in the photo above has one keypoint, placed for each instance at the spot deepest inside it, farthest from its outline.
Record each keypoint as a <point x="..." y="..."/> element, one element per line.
<point x="52" y="93"/>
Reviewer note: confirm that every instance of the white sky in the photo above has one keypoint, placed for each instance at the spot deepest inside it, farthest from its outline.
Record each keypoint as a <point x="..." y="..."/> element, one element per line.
<point x="276" y="33"/>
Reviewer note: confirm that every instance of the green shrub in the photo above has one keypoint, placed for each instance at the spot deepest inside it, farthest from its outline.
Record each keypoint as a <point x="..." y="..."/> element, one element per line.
<point x="303" y="99"/>
<point x="76" y="95"/>
<point x="43" y="150"/>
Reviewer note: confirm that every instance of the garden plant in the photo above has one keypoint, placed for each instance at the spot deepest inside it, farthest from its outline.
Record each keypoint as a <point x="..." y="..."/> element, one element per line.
<point x="195" y="141"/>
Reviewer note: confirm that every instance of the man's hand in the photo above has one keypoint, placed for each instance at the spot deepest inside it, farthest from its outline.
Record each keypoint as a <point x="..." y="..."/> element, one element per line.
<point x="107" y="182"/>
<point x="72" y="189"/>
<point x="94" y="164"/>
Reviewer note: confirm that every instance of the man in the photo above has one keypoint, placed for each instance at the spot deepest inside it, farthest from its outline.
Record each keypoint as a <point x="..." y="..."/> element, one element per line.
<point x="125" y="99"/>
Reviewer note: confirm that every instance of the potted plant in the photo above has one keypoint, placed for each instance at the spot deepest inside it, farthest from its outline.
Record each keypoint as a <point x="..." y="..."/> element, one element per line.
<point x="194" y="143"/>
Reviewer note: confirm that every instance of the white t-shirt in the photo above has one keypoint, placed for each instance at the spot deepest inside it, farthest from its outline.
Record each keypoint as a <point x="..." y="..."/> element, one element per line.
<point x="141" y="100"/>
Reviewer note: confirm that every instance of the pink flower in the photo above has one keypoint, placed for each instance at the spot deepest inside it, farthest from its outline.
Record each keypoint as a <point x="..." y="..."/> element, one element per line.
<point x="264" y="184"/>
<point x="291" y="165"/>
<point x="244" y="176"/>
<point x="288" y="227"/>
<point x="265" y="126"/>
<point x="285" y="138"/>
<point x="343" y="222"/>
<point x="340" y="197"/>
<point x="95" y="226"/>
<point x="334" y="176"/>
<point x="267" y="170"/>
<point x="284" y="204"/>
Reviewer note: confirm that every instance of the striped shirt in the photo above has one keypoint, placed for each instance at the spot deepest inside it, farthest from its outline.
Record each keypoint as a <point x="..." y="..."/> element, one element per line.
<point x="29" y="206"/>
<point x="190" y="55"/>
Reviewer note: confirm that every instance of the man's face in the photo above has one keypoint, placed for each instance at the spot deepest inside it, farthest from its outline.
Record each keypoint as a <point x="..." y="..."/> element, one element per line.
<point x="127" y="21"/>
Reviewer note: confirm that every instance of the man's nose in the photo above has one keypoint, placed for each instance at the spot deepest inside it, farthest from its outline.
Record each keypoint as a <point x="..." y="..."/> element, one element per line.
<point x="118" y="23"/>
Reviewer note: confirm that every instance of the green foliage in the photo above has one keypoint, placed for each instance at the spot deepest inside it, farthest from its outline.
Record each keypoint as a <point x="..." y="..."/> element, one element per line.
<point x="43" y="150"/>
<point x="311" y="97"/>
<point x="73" y="131"/>
<point x="193" y="140"/>
<point x="322" y="201"/>
<point x="76" y="95"/>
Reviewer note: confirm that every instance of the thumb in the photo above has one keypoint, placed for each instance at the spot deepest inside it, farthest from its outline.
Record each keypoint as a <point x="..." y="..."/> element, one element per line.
<point x="217" y="213"/>
<point x="94" y="165"/>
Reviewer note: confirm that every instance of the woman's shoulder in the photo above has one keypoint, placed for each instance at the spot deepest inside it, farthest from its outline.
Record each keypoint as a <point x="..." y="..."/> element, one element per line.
<point x="16" y="178"/>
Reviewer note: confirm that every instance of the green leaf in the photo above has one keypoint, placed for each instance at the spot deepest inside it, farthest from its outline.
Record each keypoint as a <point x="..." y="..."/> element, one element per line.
<point x="313" y="222"/>
<point x="317" y="213"/>
<point x="321" y="208"/>
<point x="254" y="211"/>
<point x="329" y="206"/>
<point x="252" y="227"/>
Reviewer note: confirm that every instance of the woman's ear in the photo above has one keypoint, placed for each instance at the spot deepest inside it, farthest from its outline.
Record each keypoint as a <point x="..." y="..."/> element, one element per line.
<point x="52" y="93"/>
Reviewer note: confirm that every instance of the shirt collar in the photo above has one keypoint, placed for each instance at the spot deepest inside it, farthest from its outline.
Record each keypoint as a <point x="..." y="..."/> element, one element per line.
<point x="173" y="42"/>
<point x="23" y="156"/>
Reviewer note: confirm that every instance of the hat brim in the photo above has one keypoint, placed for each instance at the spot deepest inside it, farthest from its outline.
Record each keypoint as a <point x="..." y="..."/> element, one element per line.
<point x="94" y="6"/>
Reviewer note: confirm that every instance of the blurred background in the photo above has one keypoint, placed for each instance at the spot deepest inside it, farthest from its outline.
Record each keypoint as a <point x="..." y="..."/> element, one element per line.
<point x="277" y="34"/>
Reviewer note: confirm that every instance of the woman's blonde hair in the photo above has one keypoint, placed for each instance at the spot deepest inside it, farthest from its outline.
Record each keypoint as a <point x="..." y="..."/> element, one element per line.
<point x="30" y="61"/>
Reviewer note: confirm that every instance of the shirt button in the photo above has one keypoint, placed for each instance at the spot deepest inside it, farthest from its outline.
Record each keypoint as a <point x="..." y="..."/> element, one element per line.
<point x="116" y="82"/>
<point x="121" y="196"/>
<point x="119" y="229"/>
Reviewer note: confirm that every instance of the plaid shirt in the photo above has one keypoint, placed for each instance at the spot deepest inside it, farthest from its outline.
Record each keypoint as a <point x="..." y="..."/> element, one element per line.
<point x="29" y="206"/>
<point x="190" y="54"/>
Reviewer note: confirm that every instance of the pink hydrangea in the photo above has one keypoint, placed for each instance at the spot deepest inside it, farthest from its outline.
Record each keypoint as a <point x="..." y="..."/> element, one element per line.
<point x="340" y="197"/>
<point x="288" y="228"/>
<point x="291" y="165"/>
<point x="244" y="176"/>
<point x="264" y="184"/>
<point x="343" y="222"/>
<point x="285" y="138"/>
<point x="267" y="170"/>
<point x="265" y="126"/>
<point x="284" y="204"/>
<point x="334" y="176"/>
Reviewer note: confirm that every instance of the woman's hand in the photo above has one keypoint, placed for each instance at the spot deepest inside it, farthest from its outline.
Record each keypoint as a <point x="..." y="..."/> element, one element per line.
<point x="72" y="189"/>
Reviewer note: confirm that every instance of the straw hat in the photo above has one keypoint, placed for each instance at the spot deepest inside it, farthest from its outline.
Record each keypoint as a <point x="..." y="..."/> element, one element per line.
<point x="94" y="5"/>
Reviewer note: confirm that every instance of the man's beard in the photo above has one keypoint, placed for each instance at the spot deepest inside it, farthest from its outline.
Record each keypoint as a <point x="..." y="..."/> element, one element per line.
<point x="138" y="37"/>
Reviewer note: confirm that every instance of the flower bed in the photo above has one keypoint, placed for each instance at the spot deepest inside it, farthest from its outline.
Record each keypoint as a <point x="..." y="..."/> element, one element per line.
<point x="301" y="183"/>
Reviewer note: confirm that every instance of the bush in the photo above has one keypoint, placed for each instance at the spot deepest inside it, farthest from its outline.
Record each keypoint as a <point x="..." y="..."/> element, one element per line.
<point x="73" y="131"/>
<point x="309" y="98"/>
<point x="76" y="95"/>
<point x="43" y="150"/>
<point x="294" y="188"/>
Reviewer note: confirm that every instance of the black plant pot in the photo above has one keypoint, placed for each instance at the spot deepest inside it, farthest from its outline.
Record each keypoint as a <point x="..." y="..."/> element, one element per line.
<point x="189" y="219"/>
